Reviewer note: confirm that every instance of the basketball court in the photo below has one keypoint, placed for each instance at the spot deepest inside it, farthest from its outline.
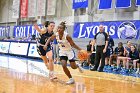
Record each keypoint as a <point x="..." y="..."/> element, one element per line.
<point x="21" y="75"/>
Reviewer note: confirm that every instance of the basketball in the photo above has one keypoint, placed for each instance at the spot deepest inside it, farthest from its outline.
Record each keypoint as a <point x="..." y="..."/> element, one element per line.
<point x="82" y="55"/>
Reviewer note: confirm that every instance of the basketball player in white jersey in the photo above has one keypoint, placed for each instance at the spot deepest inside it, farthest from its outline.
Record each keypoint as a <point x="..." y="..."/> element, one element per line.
<point x="66" y="52"/>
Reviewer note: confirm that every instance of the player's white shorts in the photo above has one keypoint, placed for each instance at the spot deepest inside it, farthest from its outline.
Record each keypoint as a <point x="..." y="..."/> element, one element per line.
<point x="69" y="53"/>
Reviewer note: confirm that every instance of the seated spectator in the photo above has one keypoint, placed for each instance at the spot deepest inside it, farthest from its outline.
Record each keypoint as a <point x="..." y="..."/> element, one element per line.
<point x="125" y="55"/>
<point x="91" y="55"/>
<point x="138" y="63"/>
<point x="127" y="49"/>
<point x="124" y="58"/>
<point x="133" y="57"/>
<point x="117" y="53"/>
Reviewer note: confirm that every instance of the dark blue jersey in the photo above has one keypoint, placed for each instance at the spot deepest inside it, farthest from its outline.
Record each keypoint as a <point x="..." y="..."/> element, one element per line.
<point x="119" y="51"/>
<point x="44" y="37"/>
<point x="110" y="42"/>
<point x="134" y="55"/>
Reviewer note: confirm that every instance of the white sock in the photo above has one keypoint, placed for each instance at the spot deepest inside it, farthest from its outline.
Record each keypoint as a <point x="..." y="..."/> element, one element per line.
<point x="138" y="69"/>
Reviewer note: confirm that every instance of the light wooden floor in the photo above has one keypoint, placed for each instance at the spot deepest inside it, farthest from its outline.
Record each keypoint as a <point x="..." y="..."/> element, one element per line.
<point x="29" y="76"/>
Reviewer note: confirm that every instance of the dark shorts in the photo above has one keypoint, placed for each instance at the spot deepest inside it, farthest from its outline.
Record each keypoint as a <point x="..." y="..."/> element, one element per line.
<point x="139" y="61"/>
<point x="108" y="52"/>
<point x="131" y="60"/>
<point x="66" y="59"/>
<point x="114" y="56"/>
<point x="41" y="51"/>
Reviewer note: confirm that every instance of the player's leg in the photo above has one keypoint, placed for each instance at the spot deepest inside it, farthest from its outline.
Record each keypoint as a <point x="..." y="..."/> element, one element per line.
<point x="49" y="54"/>
<point x="135" y="64"/>
<point x="107" y="56"/>
<point x="46" y="61"/>
<point x="63" y="60"/>
<point x="42" y="53"/>
<point x="124" y="61"/>
<point x="138" y="67"/>
<point x="127" y="63"/>
<point x="71" y="58"/>
<point x="51" y="64"/>
<point x="118" y="61"/>
<point x="75" y="66"/>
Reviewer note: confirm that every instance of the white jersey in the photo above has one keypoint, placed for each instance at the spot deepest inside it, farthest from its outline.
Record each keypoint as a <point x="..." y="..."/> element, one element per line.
<point x="63" y="44"/>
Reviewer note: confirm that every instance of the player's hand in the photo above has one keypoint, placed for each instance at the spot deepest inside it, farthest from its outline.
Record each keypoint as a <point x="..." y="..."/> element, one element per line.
<point x="45" y="47"/>
<point x="82" y="50"/>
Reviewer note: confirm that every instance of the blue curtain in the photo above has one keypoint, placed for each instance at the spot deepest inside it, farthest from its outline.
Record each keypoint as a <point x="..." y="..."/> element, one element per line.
<point x="105" y="4"/>
<point x="123" y="3"/>
<point x="137" y="2"/>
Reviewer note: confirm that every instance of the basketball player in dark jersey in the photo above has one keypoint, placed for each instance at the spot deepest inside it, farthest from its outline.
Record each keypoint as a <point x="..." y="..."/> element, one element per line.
<point x="44" y="34"/>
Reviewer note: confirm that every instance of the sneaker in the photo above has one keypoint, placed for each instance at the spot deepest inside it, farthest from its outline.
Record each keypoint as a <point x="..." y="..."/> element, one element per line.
<point x="80" y="68"/>
<point x="91" y="67"/>
<point x="124" y="71"/>
<point x="100" y="69"/>
<point x="52" y="76"/>
<point x="105" y="68"/>
<point x="116" y="70"/>
<point x="71" y="81"/>
<point x="131" y="72"/>
<point x="110" y="69"/>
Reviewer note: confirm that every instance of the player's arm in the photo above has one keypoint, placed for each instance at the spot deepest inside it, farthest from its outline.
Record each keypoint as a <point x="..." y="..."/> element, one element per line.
<point x="41" y="31"/>
<point x="50" y="39"/>
<point x="72" y="43"/>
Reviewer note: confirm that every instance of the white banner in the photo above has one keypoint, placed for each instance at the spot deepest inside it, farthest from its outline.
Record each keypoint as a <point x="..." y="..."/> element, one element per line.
<point x="33" y="51"/>
<point x="32" y="8"/>
<point x="4" y="47"/>
<point x="15" y="8"/>
<point x="41" y="6"/>
<point x="51" y="6"/>
<point x="18" y="48"/>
